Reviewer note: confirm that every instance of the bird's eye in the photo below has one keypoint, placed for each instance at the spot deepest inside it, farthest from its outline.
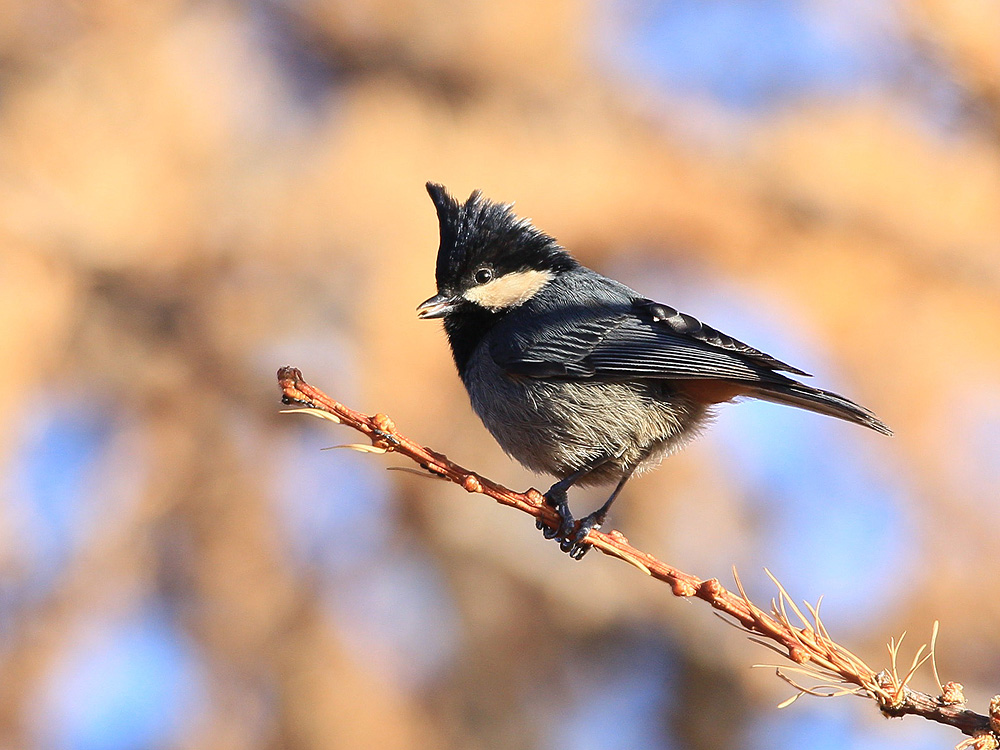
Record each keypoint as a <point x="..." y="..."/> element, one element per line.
<point x="483" y="275"/>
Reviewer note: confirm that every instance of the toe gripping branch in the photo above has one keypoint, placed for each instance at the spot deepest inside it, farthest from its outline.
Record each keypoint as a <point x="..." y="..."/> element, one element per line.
<point x="571" y="534"/>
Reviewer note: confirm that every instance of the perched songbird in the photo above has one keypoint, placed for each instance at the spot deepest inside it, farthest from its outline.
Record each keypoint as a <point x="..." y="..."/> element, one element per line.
<point x="575" y="374"/>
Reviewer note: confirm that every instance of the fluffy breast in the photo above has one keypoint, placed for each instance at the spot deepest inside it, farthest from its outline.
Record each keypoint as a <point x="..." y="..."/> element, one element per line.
<point x="557" y="427"/>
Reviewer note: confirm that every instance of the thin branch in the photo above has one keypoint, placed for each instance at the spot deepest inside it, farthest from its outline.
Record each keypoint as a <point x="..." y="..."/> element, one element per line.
<point x="810" y="647"/>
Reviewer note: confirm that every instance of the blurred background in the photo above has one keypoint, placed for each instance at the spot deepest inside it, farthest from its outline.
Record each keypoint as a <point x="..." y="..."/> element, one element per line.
<point x="195" y="192"/>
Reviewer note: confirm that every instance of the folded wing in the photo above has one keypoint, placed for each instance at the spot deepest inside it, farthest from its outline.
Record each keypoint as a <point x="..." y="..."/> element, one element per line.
<point x="646" y="340"/>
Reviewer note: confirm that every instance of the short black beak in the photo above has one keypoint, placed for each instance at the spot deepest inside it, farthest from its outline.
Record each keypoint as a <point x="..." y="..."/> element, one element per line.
<point x="436" y="307"/>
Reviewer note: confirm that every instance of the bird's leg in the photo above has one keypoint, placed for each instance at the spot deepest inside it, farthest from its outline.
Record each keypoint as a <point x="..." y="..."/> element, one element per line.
<point x="572" y="544"/>
<point x="556" y="498"/>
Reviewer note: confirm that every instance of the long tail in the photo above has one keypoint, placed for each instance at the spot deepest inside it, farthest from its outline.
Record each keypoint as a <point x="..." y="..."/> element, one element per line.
<point x="803" y="396"/>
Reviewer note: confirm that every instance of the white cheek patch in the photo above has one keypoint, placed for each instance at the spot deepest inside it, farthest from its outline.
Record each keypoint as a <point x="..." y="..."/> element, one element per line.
<point x="510" y="290"/>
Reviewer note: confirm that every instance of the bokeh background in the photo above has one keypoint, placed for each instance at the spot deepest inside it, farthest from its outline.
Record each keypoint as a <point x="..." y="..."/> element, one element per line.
<point x="195" y="192"/>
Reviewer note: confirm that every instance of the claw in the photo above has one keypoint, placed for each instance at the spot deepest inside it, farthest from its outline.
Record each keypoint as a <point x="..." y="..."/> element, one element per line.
<point x="574" y="545"/>
<point x="567" y="529"/>
<point x="547" y="531"/>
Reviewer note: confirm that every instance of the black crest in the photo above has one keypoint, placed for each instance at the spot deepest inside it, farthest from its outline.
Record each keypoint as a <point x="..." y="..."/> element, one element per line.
<point x="483" y="231"/>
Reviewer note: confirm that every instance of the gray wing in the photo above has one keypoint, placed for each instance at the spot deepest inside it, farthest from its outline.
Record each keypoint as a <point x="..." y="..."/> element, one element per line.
<point x="639" y="339"/>
<point x="645" y="340"/>
<point x="687" y="325"/>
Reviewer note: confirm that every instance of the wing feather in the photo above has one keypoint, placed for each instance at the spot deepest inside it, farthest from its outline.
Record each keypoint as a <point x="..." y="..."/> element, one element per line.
<point x="616" y="342"/>
<point x="625" y="341"/>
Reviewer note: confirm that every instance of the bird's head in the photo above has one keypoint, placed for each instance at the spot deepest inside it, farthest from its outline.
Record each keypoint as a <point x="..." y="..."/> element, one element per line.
<point x="488" y="258"/>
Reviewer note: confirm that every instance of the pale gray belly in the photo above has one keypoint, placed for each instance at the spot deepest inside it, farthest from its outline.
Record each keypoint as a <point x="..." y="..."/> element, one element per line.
<point x="557" y="427"/>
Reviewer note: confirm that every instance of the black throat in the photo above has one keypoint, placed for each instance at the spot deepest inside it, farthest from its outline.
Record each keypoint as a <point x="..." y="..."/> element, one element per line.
<point x="466" y="327"/>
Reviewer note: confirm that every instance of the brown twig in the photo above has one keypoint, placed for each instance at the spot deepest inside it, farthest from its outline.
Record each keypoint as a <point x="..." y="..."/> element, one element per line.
<point x="807" y="644"/>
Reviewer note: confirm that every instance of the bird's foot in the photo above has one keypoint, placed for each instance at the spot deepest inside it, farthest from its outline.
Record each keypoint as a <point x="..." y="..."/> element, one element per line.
<point x="556" y="499"/>
<point x="573" y="543"/>
<point x="569" y="535"/>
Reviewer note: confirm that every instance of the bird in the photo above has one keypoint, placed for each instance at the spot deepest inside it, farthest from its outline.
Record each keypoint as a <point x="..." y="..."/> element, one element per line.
<point x="575" y="374"/>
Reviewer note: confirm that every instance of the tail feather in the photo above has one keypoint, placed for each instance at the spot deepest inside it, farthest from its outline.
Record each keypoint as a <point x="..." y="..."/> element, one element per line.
<point x="822" y="402"/>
